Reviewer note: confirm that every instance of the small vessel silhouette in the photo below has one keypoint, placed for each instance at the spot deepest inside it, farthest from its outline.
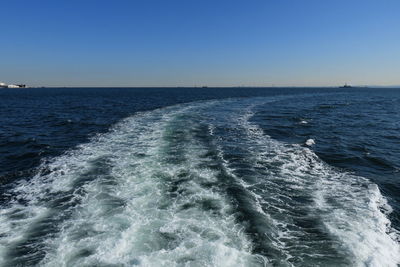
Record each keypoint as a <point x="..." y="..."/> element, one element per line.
<point x="346" y="86"/>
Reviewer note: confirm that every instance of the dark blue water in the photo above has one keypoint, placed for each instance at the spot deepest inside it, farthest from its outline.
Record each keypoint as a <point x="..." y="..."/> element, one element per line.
<point x="200" y="176"/>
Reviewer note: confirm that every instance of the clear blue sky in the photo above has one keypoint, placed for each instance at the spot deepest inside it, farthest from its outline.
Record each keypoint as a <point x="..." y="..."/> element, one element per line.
<point x="199" y="42"/>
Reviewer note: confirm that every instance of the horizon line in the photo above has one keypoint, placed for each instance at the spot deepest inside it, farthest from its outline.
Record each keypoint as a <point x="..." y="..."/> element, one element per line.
<point x="239" y="86"/>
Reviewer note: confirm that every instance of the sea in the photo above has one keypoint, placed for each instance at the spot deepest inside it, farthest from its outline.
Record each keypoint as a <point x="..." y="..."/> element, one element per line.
<point x="200" y="177"/>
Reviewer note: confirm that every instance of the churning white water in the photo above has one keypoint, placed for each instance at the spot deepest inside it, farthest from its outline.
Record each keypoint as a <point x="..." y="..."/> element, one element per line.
<point x="194" y="185"/>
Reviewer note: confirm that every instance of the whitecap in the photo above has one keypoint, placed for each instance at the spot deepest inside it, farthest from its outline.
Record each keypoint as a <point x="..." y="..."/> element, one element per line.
<point x="310" y="142"/>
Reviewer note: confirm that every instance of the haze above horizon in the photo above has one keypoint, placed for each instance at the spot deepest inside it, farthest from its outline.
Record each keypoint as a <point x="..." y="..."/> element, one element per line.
<point x="195" y="43"/>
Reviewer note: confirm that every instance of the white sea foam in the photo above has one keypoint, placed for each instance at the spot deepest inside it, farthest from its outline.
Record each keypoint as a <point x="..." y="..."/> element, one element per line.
<point x="142" y="194"/>
<point x="350" y="208"/>
<point x="310" y="142"/>
<point x="124" y="214"/>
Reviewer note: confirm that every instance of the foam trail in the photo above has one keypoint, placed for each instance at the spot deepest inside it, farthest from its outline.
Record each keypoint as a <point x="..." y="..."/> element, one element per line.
<point x="140" y="195"/>
<point x="322" y="216"/>
<point x="195" y="185"/>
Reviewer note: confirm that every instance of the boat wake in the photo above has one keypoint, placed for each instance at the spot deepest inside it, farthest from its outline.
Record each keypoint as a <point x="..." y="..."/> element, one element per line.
<point x="198" y="184"/>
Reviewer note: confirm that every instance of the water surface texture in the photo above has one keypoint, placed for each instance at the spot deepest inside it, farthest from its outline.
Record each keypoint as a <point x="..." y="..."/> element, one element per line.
<point x="200" y="177"/>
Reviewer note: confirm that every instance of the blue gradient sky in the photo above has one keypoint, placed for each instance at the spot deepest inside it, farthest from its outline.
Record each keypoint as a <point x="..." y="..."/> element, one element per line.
<point x="193" y="42"/>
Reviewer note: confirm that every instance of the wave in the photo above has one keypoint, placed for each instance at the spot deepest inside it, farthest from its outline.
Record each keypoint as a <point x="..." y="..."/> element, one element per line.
<point x="137" y="195"/>
<point x="194" y="184"/>
<point x="345" y="215"/>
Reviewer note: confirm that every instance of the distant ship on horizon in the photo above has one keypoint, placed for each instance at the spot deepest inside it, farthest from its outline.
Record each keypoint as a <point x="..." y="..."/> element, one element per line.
<point x="346" y="86"/>
<point x="4" y="85"/>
